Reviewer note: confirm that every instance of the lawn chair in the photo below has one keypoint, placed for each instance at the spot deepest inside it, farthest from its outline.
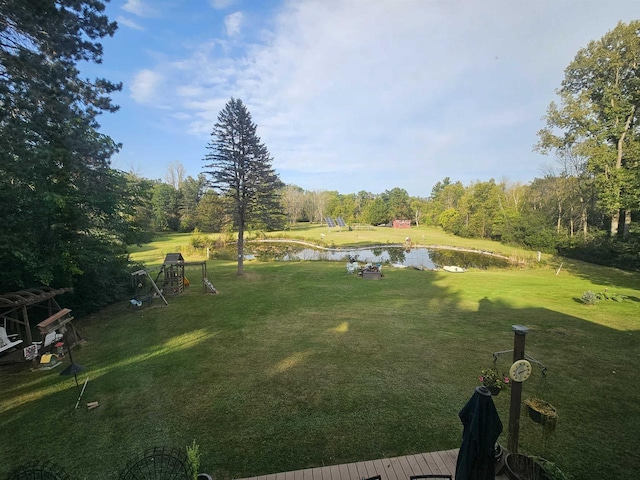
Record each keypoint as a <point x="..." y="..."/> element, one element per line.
<point x="5" y="340"/>
<point x="352" y="267"/>
<point x="50" y="339"/>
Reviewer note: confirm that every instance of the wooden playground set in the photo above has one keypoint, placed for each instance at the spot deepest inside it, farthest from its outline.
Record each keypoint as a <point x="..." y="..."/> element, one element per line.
<point x="170" y="280"/>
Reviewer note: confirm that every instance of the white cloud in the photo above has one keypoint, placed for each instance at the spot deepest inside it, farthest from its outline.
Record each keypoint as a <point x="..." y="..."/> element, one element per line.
<point x="145" y="87"/>
<point x="232" y="23"/>
<point x="139" y="8"/>
<point x="394" y="94"/>
<point x="128" y="23"/>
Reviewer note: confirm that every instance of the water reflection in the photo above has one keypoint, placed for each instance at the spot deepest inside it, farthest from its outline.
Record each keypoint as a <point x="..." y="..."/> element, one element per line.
<point x="422" y="258"/>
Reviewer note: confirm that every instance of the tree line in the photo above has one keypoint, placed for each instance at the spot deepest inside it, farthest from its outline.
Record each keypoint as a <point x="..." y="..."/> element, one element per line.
<point x="556" y="210"/>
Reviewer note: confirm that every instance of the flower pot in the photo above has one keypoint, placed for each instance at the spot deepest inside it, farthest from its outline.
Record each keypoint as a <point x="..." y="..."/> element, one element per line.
<point x="522" y="467"/>
<point x="542" y="412"/>
<point x="494" y="390"/>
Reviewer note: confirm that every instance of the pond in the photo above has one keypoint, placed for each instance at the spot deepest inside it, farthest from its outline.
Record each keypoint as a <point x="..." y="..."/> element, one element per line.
<point x="419" y="257"/>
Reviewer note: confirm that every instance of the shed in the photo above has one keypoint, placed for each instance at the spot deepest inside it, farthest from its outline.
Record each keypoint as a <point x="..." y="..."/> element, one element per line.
<point x="402" y="224"/>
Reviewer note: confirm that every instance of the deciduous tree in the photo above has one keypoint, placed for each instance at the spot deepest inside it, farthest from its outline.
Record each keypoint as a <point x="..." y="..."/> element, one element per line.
<point x="597" y="118"/>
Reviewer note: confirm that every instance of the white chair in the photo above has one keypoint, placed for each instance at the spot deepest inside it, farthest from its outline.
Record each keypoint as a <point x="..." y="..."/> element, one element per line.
<point x="5" y="342"/>
<point x="49" y="339"/>
<point x="352" y="267"/>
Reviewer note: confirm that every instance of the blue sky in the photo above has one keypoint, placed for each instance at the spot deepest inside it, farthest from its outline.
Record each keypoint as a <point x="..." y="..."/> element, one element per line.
<point x="348" y="95"/>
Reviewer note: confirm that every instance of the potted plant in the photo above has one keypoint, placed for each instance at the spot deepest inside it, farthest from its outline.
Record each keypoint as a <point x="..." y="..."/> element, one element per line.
<point x="551" y="469"/>
<point x="542" y="412"/>
<point x="523" y="467"/>
<point x="193" y="455"/>
<point x="494" y="380"/>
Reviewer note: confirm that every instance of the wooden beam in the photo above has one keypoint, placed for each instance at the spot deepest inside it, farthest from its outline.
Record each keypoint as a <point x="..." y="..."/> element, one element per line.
<point x="155" y="287"/>
<point x="515" y="406"/>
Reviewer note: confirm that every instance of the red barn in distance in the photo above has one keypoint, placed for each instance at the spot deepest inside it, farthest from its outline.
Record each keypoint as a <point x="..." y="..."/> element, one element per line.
<point x="402" y="224"/>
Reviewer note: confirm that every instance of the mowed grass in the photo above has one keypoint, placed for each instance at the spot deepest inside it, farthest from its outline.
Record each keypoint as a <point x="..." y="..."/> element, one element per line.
<point x="299" y="364"/>
<point x="333" y="237"/>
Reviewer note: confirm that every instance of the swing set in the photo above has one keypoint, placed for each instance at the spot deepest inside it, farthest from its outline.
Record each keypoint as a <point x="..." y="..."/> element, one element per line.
<point x="170" y="280"/>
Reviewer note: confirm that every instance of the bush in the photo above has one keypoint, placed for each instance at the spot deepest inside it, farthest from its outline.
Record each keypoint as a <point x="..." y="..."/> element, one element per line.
<point x="199" y="240"/>
<point x="589" y="298"/>
<point x="601" y="250"/>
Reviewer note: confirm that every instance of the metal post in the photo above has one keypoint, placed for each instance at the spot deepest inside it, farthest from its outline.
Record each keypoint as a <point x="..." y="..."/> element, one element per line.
<point x="520" y="332"/>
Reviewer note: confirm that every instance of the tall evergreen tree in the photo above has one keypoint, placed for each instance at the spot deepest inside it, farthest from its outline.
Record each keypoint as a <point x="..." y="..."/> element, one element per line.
<point x="239" y="166"/>
<point x="59" y="200"/>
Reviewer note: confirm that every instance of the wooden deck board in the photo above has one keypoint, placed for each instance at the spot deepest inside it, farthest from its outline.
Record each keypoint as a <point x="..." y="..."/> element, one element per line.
<point x="335" y="472"/>
<point x="344" y="471"/>
<point x="413" y="463"/>
<point x="317" y="473"/>
<point x="425" y="468"/>
<point x="438" y="463"/>
<point x="394" y="468"/>
<point x="383" y="471"/>
<point x="397" y="467"/>
<point x="450" y="458"/>
<point x="353" y="470"/>
<point x="370" y="469"/>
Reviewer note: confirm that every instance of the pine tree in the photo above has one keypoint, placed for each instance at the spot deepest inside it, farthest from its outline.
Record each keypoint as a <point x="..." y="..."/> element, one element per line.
<point x="239" y="166"/>
<point x="59" y="199"/>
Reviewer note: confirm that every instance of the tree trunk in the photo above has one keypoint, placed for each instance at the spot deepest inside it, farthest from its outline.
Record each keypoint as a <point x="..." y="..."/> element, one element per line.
<point x="241" y="248"/>
<point x="583" y="218"/>
<point x="615" y="220"/>
<point x="571" y="223"/>
<point x="627" y="223"/>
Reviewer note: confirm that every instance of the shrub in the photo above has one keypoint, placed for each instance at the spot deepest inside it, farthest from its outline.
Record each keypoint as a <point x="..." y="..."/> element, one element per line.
<point x="589" y="298"/>
<point x="199" y="240"/>
<point x="602" y="250"/>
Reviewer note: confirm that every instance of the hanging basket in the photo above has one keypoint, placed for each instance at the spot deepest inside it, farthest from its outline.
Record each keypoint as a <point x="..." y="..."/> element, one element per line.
<point x="495" y="391"/>
<point x="542" y="412"/>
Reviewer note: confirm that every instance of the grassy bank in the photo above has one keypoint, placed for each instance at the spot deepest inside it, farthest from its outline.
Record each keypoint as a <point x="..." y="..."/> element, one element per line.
<point x="333" y="237"/>
<point x="300" y="364"/>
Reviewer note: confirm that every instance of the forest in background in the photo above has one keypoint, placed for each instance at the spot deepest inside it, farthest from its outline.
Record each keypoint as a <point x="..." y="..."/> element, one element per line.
<point x="555" y="213"/>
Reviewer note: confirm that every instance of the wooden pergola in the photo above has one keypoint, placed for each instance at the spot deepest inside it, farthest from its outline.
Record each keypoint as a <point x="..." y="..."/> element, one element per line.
<point x="15" y="307"/>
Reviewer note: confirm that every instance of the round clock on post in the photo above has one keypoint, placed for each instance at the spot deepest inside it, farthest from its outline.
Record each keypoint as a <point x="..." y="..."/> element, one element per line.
<point x="520" y="371"/>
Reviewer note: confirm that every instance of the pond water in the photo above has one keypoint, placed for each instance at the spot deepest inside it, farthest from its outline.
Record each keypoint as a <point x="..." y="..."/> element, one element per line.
<point x="420" y="257"/>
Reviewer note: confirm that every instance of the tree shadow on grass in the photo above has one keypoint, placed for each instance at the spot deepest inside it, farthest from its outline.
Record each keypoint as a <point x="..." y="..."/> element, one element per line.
<point x="605" y="276"/>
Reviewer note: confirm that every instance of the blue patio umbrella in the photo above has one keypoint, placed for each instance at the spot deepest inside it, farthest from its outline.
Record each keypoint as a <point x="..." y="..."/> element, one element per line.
<point x="482" y="427"/>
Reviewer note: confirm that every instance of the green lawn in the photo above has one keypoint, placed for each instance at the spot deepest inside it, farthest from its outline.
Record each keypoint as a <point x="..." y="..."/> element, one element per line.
<point x="334" y="237"/>
<point x="300" y="364"/>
